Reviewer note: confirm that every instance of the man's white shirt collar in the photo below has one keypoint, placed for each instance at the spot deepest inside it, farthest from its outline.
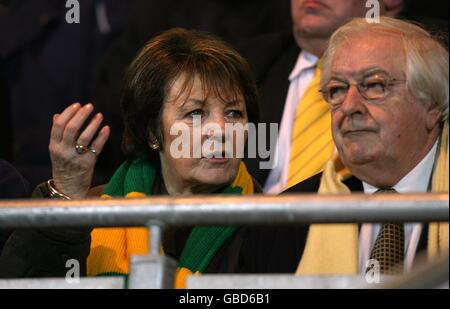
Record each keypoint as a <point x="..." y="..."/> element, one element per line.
<point x="305" y="61"/>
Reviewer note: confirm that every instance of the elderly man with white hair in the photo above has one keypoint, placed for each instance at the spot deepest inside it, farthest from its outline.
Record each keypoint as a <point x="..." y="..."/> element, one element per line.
<point x="387" y="85"/>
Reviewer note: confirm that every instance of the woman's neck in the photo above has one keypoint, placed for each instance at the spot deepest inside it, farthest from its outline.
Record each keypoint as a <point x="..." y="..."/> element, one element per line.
<point x="179" y="189"/>
<point x="175" y="187"/>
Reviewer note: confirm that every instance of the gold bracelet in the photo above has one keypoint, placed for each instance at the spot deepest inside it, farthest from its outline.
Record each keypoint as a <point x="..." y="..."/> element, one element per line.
<point x="54" y="192"/>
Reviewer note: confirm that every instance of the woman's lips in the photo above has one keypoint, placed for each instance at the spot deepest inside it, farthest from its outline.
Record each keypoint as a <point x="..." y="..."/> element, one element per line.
<point x="310" y="4"/>
<point x="217" y="158"/>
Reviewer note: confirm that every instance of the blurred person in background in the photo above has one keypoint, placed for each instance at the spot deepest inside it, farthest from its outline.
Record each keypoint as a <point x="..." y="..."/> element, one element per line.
<point x="47" y="63"/>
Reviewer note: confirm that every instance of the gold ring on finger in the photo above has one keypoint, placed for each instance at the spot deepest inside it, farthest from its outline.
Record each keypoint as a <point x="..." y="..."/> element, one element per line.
<point x="80" y="149"/>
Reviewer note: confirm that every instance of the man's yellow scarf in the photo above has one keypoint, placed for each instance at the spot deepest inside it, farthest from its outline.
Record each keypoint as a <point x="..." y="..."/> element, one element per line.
<point x="333" y="249"/>
<point x="111" y="248"/>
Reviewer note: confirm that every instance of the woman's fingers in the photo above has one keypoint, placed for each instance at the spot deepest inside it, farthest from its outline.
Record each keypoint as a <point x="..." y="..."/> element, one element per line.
<point x="88" y="134"/>
<point x="60" y="122"/>
<point x="73" y="127"/>
<point x="66" y="135"/>
<point x="98" y="144"/>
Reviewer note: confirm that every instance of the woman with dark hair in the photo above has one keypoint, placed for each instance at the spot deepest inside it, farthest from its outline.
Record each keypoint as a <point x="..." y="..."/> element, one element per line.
<point x="181" y="79"/>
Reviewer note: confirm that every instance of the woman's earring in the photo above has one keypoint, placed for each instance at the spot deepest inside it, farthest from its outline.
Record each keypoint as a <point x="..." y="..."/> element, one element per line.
<point x="155" y="144"/>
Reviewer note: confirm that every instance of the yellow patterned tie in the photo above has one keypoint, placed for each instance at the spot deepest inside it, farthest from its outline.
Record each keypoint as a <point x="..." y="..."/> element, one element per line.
<point x="389" y="247"/>
<point x="311" y="143"/>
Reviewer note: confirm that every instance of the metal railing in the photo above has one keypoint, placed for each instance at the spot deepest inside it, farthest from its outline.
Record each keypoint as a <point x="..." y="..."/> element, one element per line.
<point x="289" y="209"/>
<point x="158" y="212"/>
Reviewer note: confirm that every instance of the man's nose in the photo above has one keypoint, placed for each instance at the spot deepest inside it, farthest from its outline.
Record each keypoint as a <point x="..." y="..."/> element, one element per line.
<point x="353" y="102"/>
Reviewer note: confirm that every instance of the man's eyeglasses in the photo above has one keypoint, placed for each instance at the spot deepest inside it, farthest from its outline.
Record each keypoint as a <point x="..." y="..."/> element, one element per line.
<point x="375" y="87"/>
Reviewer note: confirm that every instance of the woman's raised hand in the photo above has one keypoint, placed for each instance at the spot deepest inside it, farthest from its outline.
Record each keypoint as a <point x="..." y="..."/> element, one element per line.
<point x="73" y="151"/>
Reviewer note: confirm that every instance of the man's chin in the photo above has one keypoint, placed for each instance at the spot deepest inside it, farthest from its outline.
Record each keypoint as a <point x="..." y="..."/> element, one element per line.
<point x="358" y="160"/>
<point x="356" y="156"/>
<point x="315" y="26"/>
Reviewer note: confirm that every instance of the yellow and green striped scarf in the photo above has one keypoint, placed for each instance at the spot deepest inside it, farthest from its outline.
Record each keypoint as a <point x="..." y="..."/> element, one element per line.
<point x="111" y="248"/>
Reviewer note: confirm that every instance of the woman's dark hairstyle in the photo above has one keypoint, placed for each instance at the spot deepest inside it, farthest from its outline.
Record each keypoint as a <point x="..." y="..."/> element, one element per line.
<point x="171" y="54"/>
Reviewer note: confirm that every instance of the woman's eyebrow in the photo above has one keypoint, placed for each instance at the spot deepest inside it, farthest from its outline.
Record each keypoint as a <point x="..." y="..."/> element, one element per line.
<point x="232" y="102"/>
<point x="196" y="100"/>
<point x="193" y="101"/>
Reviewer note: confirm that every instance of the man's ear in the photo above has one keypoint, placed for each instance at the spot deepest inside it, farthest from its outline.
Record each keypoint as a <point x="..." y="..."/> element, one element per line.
<point x="392" y="8"/>
<point x="434" y="117"/>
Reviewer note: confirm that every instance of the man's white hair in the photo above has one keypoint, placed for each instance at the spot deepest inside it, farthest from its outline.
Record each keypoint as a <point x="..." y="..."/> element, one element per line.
<point x="427" y="66"/>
